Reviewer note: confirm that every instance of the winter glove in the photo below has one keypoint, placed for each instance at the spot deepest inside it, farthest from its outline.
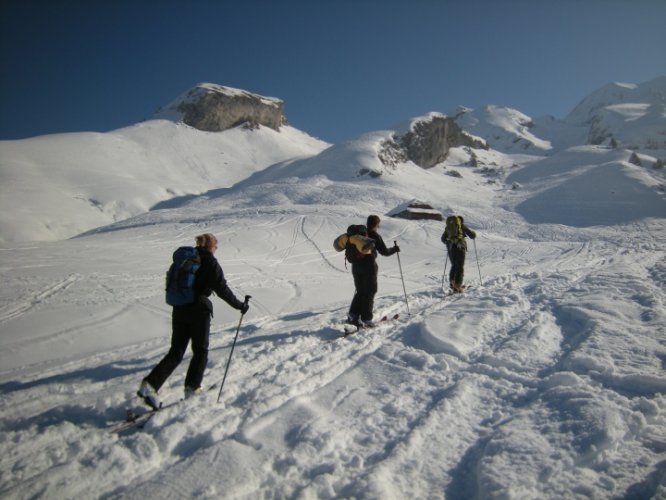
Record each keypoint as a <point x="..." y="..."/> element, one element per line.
<point x="244" y="307"/>
<point x="396" y="248"/>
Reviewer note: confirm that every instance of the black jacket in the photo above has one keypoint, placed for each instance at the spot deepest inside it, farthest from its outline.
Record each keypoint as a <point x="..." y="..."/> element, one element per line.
<point x="209" y="279"/>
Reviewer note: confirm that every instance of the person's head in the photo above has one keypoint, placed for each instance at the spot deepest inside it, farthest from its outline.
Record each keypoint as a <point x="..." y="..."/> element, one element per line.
<point x="373" y="222"/>
<point x="208" y="241"/>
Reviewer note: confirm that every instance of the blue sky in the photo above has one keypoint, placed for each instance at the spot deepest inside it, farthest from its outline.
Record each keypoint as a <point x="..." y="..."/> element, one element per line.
<point x="343" y="67"/>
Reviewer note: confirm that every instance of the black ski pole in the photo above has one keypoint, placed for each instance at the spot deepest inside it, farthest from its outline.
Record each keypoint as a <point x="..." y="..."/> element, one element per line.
<point x="477" y="262"/>
<point x="403" y="279"/>
<point x="247" y="298"/>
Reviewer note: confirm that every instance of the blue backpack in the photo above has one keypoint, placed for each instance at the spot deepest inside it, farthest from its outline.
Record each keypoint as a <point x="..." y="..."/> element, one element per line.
<point x="180" y="276"/>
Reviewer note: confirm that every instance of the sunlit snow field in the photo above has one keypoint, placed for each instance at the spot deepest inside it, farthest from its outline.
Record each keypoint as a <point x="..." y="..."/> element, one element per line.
<point x="544" y="380"/>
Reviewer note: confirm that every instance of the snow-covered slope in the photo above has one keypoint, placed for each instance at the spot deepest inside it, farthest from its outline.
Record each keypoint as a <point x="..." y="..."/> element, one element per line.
<point x="544" y="380"/>
<point x="651" y="92"/>
<point x="58" y="186"/>
<point x="631" y="114"/>
<point x="589" y="186"/>
<point x="348" y="175"/>
<point x="502" y="128"/>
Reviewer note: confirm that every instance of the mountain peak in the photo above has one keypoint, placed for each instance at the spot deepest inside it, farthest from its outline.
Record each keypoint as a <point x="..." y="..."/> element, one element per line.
<point x="627" y="114"/>
<point x="215" y="108"/>
<point x="651" y="92"/>
<point x="503" y="128"/>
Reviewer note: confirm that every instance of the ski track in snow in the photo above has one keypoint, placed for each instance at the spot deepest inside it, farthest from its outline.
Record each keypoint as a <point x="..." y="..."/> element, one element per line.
<point x="519" y="348"/>
<point x="34" y="299"/>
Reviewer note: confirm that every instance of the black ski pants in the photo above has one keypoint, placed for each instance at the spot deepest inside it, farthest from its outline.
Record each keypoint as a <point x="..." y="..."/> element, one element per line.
<point x="457" y="257"/>
<point x="189" y="323"/>
<point x="365" y="281"/>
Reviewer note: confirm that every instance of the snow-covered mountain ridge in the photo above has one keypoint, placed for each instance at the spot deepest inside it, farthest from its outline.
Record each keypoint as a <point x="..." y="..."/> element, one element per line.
<point x="89" y="180"/>
<point x="629" y="116"/>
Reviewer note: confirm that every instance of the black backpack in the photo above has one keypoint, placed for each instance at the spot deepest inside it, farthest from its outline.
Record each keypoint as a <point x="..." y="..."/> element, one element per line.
<point x="351" y="252"/>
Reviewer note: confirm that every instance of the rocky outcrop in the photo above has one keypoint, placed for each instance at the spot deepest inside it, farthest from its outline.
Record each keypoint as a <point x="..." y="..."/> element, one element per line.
<point x="427" y="142"/>
<point x="214" y="108"/>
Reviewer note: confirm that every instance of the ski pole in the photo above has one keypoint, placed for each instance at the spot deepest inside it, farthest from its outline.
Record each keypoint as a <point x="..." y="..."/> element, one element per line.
<point x="247" y="298"/>
<point x="477" y="262"/>
<point x="446" y="261"/>
<point x="403" y="279"/>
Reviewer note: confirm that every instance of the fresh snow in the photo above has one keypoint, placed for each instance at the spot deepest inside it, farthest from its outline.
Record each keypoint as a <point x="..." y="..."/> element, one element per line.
<point x="503" y="128"/>
<point x="544" y="380"/>
<point x="95" y="179"/>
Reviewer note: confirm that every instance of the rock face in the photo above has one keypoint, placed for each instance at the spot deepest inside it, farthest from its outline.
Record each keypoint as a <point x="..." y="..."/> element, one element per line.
<point x="214" y="108"/>
<point x="427" y="142"/>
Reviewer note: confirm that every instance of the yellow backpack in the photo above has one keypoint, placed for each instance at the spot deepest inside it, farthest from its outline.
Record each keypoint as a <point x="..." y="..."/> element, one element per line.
<point x="453" y="231"/>
<point x="355" y="243"/>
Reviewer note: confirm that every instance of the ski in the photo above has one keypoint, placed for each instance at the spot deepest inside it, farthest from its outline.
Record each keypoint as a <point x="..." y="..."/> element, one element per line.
<point x="351" y="329"/>
<point x="140" y="419"/>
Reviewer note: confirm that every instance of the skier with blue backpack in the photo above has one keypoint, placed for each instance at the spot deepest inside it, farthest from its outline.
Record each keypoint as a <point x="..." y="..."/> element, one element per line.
<point x="194" y="275"/>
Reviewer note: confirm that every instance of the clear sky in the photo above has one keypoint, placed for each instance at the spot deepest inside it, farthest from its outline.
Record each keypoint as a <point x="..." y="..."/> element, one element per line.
<point x="343" y="67"/>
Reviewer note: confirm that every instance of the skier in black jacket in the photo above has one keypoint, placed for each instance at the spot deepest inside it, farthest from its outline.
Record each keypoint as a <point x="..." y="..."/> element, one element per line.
<point x="365" y="271"/>
<point x="192" y="323"/>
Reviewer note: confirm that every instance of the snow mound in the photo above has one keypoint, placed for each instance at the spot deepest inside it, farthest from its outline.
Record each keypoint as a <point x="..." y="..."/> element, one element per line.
<point x="592" y="187"/>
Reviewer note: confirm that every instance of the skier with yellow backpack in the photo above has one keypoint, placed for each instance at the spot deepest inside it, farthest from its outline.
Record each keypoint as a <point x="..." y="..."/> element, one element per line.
<point x="456" y="245"/>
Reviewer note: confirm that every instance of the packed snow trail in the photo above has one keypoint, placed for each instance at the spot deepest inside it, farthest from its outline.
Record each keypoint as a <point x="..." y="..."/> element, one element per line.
<point x="546" y="381"/>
